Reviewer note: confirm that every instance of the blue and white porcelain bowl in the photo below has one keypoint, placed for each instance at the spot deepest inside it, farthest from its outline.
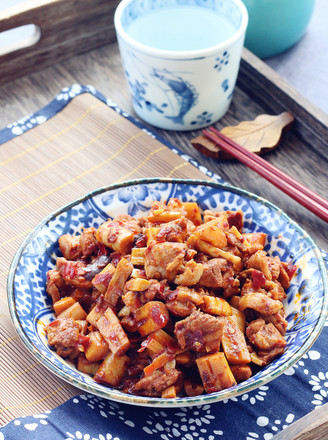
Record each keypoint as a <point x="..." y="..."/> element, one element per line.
<point x="30" y="306"/>
<point x="179" y="89"/>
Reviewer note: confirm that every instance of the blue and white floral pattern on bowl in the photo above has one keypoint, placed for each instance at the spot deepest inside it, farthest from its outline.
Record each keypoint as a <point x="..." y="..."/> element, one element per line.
<point x="30" y="306"/>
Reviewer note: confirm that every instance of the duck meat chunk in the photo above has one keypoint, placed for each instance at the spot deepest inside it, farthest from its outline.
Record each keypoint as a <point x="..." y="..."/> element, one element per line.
<point x="156" y="382"/>
<point x="63" y="334"/>
<point x="128" y="222"/>
<point x="163" y="260"/>
<point x="54" y="283"/>
<point x="260" y="302"/>
<point x="181" y="308"/>
<point x="254" y="327"/>
<point x="260" y="261"/>
<point x="88" y="242"/>
<point x="74" y="273"/>
<point x="191" y="274"/>
<point x="279" y="321"/>
<point x="212" y="273"/>
<point x="69" y="246"/>
<point x="184" y="301"/>
<point x="268" y="355"/>
<point x="200" y="332"/>
<point x="96" y="265"/>
<point x="265" y="336"/>
<point x="173" y="231"/>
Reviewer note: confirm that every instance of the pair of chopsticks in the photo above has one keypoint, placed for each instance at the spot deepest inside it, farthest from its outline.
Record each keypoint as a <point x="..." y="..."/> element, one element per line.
<point x="309" y="199"/>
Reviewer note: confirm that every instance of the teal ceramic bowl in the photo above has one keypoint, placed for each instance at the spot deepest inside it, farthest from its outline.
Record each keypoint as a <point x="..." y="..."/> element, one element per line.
<point x="276" y="25"/>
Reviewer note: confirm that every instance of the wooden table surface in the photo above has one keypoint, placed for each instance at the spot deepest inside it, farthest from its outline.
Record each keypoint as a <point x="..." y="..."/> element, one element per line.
<point x="102" y="68"/>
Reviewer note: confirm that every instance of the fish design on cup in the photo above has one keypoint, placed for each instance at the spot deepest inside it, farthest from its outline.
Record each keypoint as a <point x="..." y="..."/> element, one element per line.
<point x="184" y="92"/>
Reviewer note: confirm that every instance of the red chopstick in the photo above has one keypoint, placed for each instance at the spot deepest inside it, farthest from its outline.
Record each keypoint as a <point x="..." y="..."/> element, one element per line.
<point x="314" y="196"/>
<point x="309" y="199"/>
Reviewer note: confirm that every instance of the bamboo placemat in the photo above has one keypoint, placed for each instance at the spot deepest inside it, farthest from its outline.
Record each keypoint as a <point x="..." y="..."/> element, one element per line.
<point x="85" y="146"/>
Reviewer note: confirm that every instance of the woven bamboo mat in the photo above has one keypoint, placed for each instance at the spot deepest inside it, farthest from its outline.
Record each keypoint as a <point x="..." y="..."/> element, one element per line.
<point x="85" y="146"/>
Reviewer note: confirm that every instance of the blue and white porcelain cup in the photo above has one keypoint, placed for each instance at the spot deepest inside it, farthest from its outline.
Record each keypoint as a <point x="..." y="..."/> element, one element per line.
<point x="181" y="58"/>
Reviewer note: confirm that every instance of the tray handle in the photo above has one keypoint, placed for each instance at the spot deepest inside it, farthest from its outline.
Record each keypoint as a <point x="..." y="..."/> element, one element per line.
<point x="63" y="28"/>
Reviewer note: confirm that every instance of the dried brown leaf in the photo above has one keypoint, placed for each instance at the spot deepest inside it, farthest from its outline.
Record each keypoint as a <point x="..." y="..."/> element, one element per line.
<point x="260" y="135"/>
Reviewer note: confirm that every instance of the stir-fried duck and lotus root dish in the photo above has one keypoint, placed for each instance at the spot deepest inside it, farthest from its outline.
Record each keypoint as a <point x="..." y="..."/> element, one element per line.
<point x="172" y="304"/>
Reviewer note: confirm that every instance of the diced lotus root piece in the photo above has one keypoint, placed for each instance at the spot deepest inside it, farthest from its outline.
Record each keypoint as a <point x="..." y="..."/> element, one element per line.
<point x="163" y="215"/>
<point x="234" y="344"/>
<point x="215" y="372"/>
<point x="159" y="341"/>
<point x="151" y="317"/>
<point x="216" y="306"/>
<point x="158" y="362"/>
<point x="75" y="311"/>
<point x="239" y="318"/>
<point x="113" y="333"/>
<point x="192" y="212"/>
<point x="102" y="279"/>
<point x="116" y="285"/>
<point x="138" y="256"/>
<point x="112" y="370"/>
<point x="212" y="234"/>
<point x="62" y="304"/>
<point x="137" y="284"/>
<point x="169" y="393"/>
<point x="86" y="366"/>
<point x="115" y="236"/>
<point x="97" y="348"/>
<point x="132" y="301"/>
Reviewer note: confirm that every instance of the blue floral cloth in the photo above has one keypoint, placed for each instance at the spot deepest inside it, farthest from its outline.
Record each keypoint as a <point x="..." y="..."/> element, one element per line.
<point x="259" y="414"/>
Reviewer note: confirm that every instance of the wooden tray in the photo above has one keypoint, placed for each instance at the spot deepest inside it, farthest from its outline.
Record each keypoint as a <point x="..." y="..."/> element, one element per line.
<point x="64" y="28"/>
<point x="303" y="152"/>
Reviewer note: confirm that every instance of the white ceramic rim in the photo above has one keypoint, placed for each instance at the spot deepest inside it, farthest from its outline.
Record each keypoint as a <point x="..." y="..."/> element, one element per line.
<point x="179" y="54"/>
